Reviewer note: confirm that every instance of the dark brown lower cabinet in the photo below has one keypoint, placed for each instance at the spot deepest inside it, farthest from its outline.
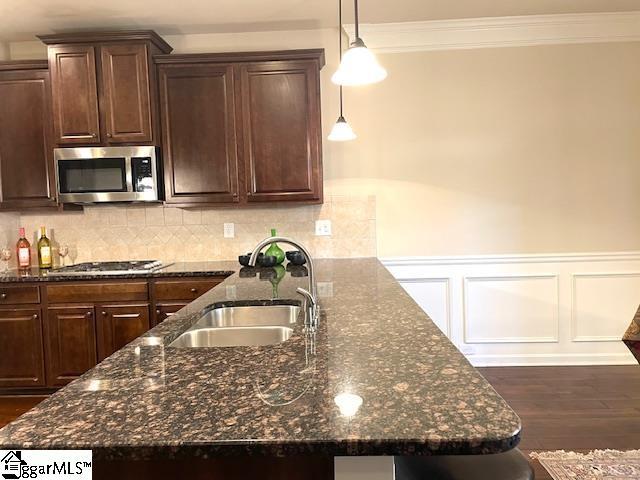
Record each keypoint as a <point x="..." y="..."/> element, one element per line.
<point x="70" y="334"/>
<point x="164" y="311"/>
<point x="119" y="325"/>
<point x="53" y="332"/>
<point x="21" y="358"/>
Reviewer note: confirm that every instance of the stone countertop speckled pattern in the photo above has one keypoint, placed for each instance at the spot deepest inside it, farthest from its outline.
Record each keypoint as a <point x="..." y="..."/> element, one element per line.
<point x="180" y="269"/>
<point x="631" y="337"/>
<point x="420" y="395"/>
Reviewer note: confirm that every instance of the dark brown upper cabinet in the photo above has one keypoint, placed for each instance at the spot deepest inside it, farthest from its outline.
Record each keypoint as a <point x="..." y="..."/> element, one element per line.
<point x="241" y="127"/>
<point x="26" y="163"/>
<point x="281" y="144"/>
<point x="127" y="103"/>
<point x="103" y="87"/>
<point x="197" y="107"/>
<point x="75" y="100"/>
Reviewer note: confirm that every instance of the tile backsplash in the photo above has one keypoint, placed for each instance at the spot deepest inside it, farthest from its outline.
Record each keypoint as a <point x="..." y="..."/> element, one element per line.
<point x="9" y="231"/>
<point x="173" y="234"/>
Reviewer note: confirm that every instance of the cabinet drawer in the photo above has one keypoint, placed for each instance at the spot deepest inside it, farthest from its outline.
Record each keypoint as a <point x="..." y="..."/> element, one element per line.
<point x="184" y="289"/>
<point x="20" y="294"/>
<point x="97" y="292"/>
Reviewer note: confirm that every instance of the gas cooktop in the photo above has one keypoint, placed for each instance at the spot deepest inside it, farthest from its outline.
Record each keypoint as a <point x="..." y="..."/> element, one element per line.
<point x="110" y="268"/>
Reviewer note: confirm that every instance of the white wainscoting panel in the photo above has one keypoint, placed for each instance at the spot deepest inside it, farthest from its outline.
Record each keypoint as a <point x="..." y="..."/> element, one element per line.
<point x="511" y="309"/>
<point x="602" y="305"/>
<point x="556" y="309"/>
<point x="432" y="294"/>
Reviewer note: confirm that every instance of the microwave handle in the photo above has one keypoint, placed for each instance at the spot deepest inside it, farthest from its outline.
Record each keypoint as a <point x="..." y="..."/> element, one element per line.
<point x="128" y="174"/>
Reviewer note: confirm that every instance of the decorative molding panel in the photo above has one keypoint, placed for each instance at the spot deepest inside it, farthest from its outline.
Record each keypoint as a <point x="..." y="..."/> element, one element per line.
<point x="602" y="305"/>
<point x="491" y="32"/>
<point x="547" y="309"/>
<point x="511" y="309"/>
<point x="431" y="294"/>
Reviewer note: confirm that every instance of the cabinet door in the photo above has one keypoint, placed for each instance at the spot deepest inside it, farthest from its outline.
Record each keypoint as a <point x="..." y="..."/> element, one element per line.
<point x="197" y="111"/>
<point x="119" y="325"/>
<point x="26" y="162"/>
<point x="75" y="94"/>
<point x="126" y="106"/>
<point x="165" y="311"/>
<point x="21" y="358"/>
<point x="70" y="335"/>
<point x="281" y="131"/>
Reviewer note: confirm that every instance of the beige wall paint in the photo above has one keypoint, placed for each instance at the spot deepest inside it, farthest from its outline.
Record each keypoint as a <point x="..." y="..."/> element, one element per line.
<point x="512" y="150"/>
<point x="488" y="151"/>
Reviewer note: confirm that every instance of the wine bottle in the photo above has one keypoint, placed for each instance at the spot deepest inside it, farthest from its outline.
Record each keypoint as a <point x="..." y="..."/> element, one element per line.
<point x="44" y="250"/>
<point x="274" y="250"/>
<point x="23" y="249"/>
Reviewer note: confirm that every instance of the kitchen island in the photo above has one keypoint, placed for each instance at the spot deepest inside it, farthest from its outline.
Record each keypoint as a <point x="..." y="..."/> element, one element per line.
<point x="151" y="404"/>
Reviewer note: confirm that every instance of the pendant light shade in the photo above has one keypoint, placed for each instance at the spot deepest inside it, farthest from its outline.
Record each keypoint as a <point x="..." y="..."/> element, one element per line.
<point x="359" y="66"/>
<point x="341" y="131"/>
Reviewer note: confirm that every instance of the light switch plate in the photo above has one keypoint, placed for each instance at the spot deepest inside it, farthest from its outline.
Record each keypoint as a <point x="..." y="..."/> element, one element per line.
<point x="323" y="227"/>
<point x="229" y="230"/>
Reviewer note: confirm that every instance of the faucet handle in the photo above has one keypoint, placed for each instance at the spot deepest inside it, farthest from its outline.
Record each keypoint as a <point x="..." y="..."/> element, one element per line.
<point x="307" y="295"/>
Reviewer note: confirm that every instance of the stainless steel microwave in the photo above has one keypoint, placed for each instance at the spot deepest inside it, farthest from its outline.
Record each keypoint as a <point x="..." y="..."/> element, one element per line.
<point x="107" y="174"/>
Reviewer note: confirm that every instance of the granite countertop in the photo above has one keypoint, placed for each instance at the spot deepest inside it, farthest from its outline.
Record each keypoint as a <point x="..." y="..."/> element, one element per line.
<point x="179" y="269"/>
<point x="420" y="396"/>
<point x="631" y="337"/>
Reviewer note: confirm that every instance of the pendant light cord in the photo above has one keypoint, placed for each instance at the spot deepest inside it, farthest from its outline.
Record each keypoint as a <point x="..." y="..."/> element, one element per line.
<point x="355" y="4"/>
<point x="340" y="43"/>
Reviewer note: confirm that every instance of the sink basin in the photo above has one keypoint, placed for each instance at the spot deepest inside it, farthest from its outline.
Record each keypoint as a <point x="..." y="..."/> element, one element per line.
<point x="241" y="326"/>
<point x="232" y="337"/>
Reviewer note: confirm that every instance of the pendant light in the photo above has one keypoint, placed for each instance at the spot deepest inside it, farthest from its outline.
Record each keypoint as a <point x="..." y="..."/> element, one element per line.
<point x="341" y="131"/>
<point x="359" y="65"/>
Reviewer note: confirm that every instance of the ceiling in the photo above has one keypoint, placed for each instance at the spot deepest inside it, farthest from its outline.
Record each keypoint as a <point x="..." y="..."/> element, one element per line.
<point x="22" y="19"/>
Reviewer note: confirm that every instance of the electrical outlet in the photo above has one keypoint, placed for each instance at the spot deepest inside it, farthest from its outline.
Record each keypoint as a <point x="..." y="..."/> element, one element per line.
<point x="325" y="289"/>
<point x="229" y="230"/>
<point x="323" y="227"/>
<point x="231" y="292"/>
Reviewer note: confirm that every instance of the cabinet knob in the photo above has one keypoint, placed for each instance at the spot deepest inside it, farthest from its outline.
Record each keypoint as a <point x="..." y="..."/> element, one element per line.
<point x="194" y="290"/>
<point x="89" y="314"/>
<point x="94" y="135"/>
<point x="109" y="135"/>
<point x="158" y="312"/>
<point x="35" y="316"/>
<point x="3" y="296"/>
<point x="104" y="314"/>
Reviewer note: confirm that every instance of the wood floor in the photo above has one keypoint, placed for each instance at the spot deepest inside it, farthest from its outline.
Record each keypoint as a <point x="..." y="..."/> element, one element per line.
<point x="570" y="408"/>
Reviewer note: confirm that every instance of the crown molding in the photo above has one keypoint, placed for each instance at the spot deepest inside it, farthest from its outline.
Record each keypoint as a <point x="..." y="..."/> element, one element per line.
<point x="492" y="32"/>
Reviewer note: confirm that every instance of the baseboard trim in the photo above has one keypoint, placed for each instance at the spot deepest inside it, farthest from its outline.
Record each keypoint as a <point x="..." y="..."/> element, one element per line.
<point x="549" y="360"/>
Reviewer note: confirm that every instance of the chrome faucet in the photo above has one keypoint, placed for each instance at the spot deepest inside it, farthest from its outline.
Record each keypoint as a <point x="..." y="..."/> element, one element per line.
<point x="310" y="295"/>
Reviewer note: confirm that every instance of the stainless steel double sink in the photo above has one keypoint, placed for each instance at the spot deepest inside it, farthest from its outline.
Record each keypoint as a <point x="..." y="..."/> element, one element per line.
<point x="241" y="326"/>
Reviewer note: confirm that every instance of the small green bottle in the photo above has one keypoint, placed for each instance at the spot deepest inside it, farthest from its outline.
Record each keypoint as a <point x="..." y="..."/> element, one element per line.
<point x="274" y="250"/>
